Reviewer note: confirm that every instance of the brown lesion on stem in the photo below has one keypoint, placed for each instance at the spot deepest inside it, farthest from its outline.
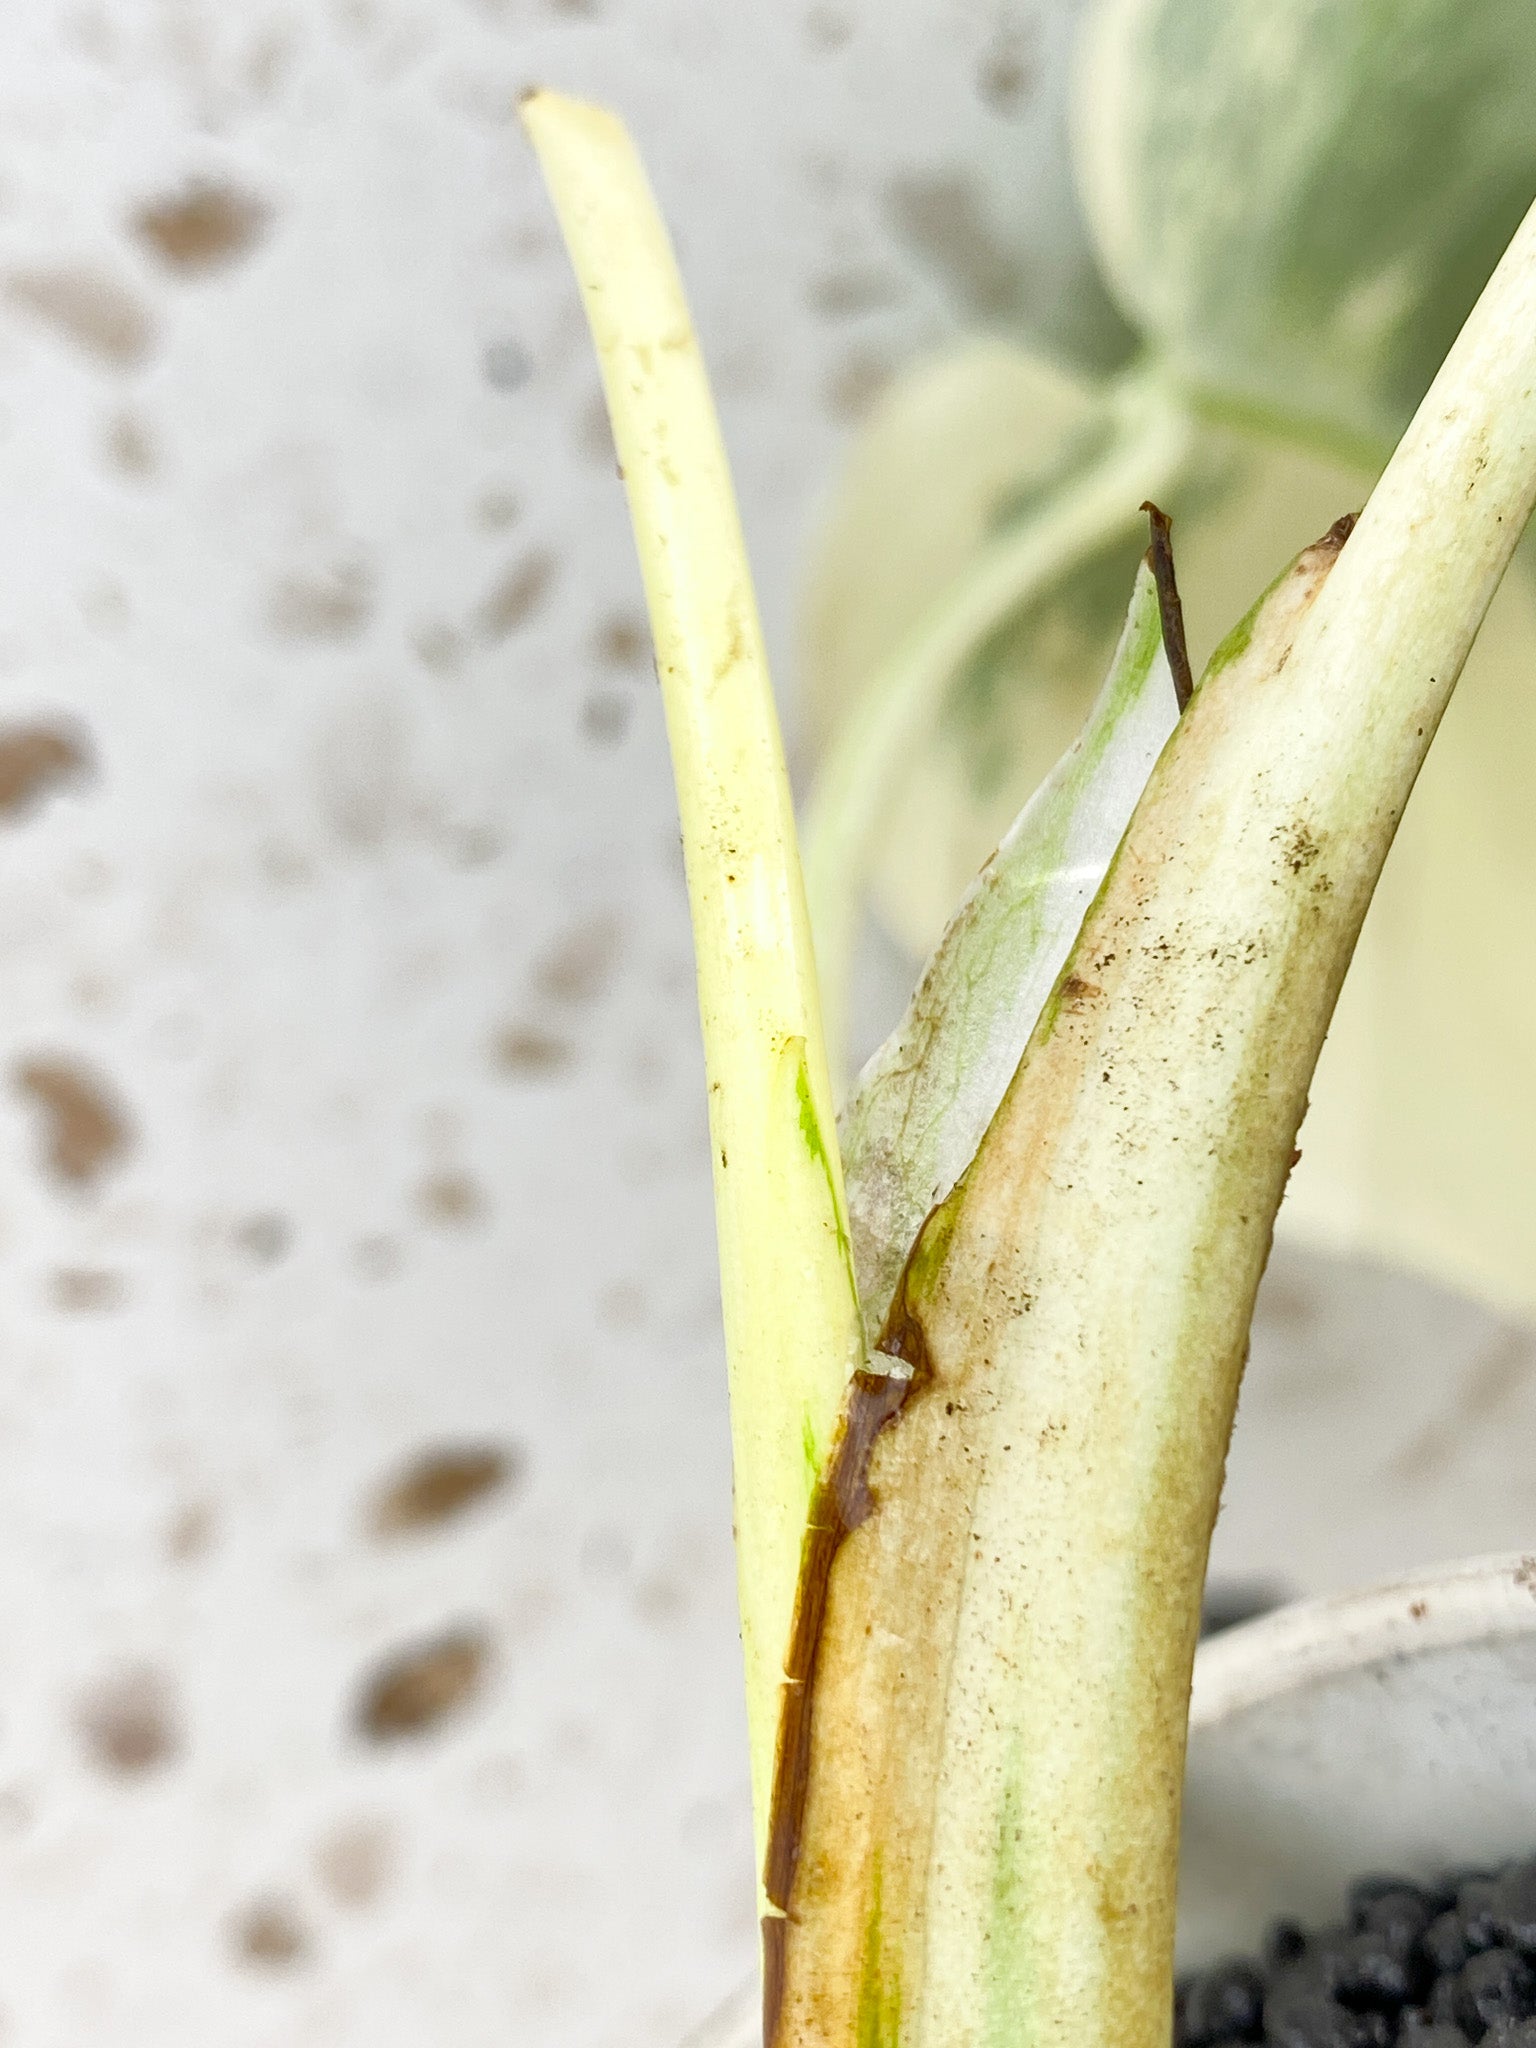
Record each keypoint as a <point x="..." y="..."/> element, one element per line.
<point x="1169" y="604"/>
<point x="841" y="1502"/>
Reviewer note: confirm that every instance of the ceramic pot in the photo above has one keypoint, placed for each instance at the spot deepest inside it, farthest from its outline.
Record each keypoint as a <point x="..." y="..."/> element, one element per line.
<point x="1390" y="1729"/>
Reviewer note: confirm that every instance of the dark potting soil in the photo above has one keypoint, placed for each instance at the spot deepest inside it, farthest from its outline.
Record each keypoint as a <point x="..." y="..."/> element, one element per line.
<point x="1414" y="1966"/>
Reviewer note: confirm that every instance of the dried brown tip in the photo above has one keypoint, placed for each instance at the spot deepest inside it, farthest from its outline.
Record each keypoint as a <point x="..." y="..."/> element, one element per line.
<point x="1339" y="532"/>
<point x="1160" y="562"/>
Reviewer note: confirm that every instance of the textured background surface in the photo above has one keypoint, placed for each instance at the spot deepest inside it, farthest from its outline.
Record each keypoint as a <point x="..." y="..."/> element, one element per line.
<point x="349" y="1094"/>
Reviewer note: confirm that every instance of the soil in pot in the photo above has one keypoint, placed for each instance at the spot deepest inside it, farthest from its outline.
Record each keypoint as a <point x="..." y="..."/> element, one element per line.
<point x="1413" y="1965"/>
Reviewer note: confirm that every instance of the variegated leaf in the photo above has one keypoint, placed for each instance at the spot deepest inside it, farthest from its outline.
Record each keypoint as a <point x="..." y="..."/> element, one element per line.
<point x="920" y="1107"/>
<point x="1298" y="202"/>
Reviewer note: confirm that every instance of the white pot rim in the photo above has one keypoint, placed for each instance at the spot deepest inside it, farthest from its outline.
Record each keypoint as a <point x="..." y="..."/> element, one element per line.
<point x="1475" y="1599"/>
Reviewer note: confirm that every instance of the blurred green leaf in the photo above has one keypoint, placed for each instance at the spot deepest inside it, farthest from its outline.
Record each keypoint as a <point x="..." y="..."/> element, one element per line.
<point x="958" y="448"/>
<point x="1297" y="202"/>
<point x="950" y="449"/>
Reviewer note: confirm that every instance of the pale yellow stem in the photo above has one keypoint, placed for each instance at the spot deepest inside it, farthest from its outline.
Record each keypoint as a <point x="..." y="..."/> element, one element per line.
<point x="792" y="1326"/>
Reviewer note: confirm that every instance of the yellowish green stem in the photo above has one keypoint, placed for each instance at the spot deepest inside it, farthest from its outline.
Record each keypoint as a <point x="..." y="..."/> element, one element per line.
<point x="793" y="1334"/>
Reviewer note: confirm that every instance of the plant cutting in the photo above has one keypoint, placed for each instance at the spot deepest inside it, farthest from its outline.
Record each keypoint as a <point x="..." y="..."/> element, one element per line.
<point x="982" y="1381"/>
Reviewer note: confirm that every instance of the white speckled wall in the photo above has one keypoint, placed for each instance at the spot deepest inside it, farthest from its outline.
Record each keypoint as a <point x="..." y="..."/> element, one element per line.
<point x="349" y="1093"/>
<point x="367" y="1658"/>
